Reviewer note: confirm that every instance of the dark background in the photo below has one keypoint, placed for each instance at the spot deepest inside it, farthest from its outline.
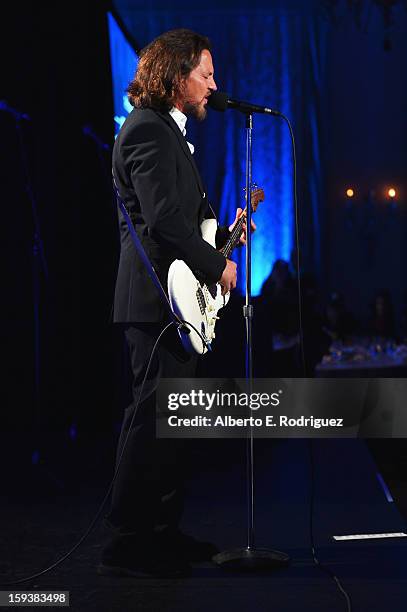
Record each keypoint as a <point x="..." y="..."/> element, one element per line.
<point x="56" y="68"/>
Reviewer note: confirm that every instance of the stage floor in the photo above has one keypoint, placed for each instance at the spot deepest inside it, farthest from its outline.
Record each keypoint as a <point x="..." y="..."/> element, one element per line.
<point x="46" y="508"/>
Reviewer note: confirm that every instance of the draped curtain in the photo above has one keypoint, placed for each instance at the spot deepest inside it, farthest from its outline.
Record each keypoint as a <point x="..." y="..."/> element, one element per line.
<point x="271" y="56"/>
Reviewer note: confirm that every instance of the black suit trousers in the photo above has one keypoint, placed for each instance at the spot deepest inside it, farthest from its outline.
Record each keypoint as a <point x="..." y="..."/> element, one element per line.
<point x="148" y="492"/>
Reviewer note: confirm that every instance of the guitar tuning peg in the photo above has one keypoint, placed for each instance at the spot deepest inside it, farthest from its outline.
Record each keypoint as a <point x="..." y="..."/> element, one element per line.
<point x="253" y="186"/>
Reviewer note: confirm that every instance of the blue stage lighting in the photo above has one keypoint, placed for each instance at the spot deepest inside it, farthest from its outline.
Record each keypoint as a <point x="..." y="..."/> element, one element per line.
<point x="124" y="62"/>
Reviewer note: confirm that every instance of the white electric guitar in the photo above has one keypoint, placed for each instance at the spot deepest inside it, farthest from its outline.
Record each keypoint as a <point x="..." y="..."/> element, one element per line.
<point x="196" y="302"/>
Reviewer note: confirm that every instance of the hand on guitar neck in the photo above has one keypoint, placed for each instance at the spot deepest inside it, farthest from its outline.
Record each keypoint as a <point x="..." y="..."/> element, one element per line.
<point x="229" y="277"/>
<point x="242" y="213"/>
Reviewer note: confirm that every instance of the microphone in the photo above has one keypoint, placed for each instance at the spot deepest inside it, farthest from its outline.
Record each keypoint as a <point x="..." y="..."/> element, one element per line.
<point x="220" y="101"/>
<point x="4" y="106"/>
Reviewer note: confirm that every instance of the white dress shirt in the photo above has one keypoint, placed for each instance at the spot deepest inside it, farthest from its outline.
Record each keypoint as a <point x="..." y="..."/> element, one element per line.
<point x="181" y="119"/>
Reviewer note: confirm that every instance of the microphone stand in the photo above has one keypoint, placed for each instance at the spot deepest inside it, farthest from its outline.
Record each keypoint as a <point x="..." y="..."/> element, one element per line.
<point x="250" y="558"/>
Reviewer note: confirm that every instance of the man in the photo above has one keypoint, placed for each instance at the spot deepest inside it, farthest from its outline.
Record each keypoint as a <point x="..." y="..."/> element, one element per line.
<point x="156" y="176"/>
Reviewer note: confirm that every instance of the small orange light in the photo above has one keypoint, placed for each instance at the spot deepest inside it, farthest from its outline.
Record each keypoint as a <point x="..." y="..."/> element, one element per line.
<point x="350" y="193"/>
<point x="391" y="193"/>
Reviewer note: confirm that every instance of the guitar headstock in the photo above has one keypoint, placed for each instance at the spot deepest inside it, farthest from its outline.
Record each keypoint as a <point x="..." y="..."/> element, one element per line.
<point x="256" y="196"/>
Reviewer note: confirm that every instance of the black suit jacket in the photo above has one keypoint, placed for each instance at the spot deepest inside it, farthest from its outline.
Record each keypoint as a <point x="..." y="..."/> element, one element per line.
<point x="158" y="180"/>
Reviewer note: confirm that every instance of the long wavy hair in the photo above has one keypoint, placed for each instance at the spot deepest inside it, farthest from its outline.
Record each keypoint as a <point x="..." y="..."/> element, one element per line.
<point x="163" y="66"/>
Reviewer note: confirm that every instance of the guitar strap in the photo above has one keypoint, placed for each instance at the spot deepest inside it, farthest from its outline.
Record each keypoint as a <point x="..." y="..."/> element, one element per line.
<point x="144" y="258"/>
<point x="182" y="326"/>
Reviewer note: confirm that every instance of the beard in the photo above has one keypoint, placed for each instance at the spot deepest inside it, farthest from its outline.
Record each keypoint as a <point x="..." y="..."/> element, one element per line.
<point x="195" y="109"/>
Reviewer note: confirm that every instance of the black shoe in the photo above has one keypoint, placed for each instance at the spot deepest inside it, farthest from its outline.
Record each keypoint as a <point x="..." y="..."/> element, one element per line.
<point x="186" y="546"/>
<point x="145" y="566"/>
<point x="141" y="556"/>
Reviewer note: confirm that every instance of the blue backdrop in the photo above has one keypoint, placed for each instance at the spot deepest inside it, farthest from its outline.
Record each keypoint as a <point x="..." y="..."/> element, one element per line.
<point x="271" y="56"/>
<point x="123" y="59"/>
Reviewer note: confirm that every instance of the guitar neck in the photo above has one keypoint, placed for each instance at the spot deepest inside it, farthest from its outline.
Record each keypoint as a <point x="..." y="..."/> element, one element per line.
<point x="257" y="195"/>
<point x="234" y="238"/>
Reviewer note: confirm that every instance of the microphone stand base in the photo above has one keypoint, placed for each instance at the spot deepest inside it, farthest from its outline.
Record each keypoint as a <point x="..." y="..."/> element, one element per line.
<point x="251" y="559"/>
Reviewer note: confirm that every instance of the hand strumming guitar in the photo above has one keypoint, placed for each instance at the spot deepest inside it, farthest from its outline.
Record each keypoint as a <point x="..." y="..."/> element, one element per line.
<point x="229" y="277"/>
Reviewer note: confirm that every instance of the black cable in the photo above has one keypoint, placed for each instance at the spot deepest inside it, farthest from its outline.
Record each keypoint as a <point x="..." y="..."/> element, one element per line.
<point x="105" y="499"/>
<point x="317" y="562"/>
<point x="99" y="511"/>
<point x="297" y="243"/>
<point x="301" y="332"/>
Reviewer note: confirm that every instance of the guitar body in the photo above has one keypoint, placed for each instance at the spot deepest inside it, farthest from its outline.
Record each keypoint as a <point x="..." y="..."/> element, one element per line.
<point x="194" y="301"/>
